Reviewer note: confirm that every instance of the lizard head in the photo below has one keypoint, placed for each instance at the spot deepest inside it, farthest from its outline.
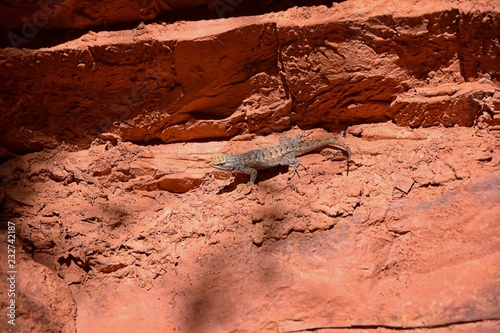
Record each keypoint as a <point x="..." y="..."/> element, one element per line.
<point x="221" y="162"/>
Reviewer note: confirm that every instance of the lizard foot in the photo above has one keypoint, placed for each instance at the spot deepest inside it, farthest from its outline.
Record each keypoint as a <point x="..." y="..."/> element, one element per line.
<point x="295" y="170"/>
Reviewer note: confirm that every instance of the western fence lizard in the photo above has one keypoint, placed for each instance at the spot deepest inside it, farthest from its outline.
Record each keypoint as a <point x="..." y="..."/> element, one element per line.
<point x="285" y="153"/>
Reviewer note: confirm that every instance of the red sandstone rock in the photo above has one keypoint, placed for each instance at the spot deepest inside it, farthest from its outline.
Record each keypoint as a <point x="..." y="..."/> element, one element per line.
<point x="112" y="236"/>
<point x="201" y="80"/>
<point x="60" y="14"/>
<point x="43" y="302"/>
<point x="323" y="251"/>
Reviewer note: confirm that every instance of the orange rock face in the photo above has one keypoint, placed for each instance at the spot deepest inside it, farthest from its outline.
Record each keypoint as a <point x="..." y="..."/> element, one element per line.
<point x="117" y="223"/>
<point x="203" y="80"/>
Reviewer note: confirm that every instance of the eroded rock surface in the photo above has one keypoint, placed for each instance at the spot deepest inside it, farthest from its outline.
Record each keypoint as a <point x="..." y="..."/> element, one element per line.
<point x="122" y="225"/>
<point x="408" y="239"/>
<point x="313" y="67"/>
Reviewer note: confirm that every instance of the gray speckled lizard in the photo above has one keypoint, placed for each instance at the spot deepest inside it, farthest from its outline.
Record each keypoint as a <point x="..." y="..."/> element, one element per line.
<point x="285" y="153"/>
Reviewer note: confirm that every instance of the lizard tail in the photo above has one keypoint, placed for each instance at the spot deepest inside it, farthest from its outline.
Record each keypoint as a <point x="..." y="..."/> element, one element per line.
<point x="346" y="149"/>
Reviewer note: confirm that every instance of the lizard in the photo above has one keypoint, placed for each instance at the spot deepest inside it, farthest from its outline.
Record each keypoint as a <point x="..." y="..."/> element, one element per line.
<point x="285" y="153"/>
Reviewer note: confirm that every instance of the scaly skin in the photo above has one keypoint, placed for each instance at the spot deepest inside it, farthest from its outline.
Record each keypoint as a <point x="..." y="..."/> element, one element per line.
<point x="285" y="153"/>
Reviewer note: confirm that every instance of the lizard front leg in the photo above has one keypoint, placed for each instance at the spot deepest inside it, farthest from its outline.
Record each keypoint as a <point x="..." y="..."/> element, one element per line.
<point x="249" y="171"/>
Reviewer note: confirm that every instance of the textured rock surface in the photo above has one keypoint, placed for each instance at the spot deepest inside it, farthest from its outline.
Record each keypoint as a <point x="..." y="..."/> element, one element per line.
<point x="409" y="239"/>
<point x="44" y="302"/>
<point x="327" y="67"/>
<point x="62" y="14"/>
<point x="124" y="227"/>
